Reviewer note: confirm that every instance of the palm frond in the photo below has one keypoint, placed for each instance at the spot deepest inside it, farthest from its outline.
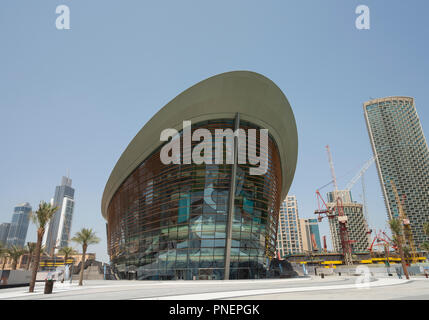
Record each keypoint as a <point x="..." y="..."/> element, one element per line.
<point x="425" y="246"/>
<point x="30" y="247"/>
<point x="426" y="228"/>
<point x="85" y="237"/>
<point x="43" y="215"/>
<point x="67" y="251"/>
<point x="2" y="250"/>
<point x="396" y="227"/>
<point x="15" y="252"/>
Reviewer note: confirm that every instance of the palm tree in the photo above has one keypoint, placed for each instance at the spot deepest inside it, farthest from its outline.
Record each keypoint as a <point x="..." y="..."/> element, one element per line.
<point x="67" y="252"/>
<point x="396" y="228"/>
<point x="40" y="218"/>
<point x="407" y="252"/>
<point x="30" y="248"/>
<point x="85" y="237"/>
<point x="426" y="228"/>
<point x="425" y="245"/>
<point x="3" y="255"/>
<point x="15" y="252"/>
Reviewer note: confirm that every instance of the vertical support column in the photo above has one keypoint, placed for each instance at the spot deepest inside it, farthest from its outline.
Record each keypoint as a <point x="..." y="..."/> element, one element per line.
<point x="231" y="200"/>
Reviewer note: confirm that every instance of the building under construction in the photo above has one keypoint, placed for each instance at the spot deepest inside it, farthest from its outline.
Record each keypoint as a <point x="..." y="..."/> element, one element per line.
<point x="358" y="230"/>
<point x="348" y="226"/>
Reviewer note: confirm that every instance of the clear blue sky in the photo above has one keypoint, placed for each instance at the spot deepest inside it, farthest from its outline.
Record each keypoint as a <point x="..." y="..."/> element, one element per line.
<point x="74" y="99"/>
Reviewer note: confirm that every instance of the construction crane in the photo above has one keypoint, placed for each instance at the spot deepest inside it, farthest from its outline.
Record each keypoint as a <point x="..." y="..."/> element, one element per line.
<point x="365" y="206"/>
<point x="381" y="238"/>
<point x="331" y="165"/>
<point x="407" y="234"/>
<point x="325" y="247"/>
<point x="336" y="210"/>
<point x="361" y="172"/>
<point x="314" y="243"/>
<point x="361" y="175"/>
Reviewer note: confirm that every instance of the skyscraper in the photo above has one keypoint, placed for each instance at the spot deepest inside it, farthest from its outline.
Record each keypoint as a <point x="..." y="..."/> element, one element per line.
<point x="4" y="231"/>
<point x="357" y="226"/>
<point x="58" y="234"/>
<point x="19" y="226"/>
<point x="402" y="158"/>
<point x="310" y="235"/>
<point x="289" y="239"/>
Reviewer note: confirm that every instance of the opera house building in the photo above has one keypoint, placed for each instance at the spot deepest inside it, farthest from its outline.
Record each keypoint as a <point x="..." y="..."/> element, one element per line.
<point x="196" y="220"/>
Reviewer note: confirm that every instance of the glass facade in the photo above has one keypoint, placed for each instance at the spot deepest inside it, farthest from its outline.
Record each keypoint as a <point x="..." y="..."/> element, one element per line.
<point x="314" y="230"/>
<point x="402" y="153"/>
<point x="19" y="226"/>
<point x="4" y="231"/>
<point x="65" y="224"/>
<point x="58" y="232"/>
<point x="170" y="221"/>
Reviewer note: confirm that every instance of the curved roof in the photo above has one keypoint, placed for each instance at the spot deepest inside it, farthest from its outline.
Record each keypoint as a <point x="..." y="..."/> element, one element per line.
<point x="256" y="98"/>
<point x="378" y="100"/>
<point x="24" y="204"/>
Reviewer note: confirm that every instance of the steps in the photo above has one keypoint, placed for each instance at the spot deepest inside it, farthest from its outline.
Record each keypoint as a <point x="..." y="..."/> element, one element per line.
<point x="90" y="273"/>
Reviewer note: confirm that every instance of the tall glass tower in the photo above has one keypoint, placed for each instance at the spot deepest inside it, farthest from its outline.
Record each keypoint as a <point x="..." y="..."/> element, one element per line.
<point x="402" y="158"/>
<point x="19" y="226"/>
<point x="58" y="233"/>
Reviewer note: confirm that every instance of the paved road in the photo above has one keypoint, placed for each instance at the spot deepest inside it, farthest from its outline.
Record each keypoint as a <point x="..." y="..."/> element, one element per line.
<point x="302" y="288"/>
<point x="416" y="289"/>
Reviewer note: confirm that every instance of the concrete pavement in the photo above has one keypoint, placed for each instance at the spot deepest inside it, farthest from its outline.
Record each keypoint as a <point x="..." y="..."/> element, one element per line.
<point x="284" y="289"/>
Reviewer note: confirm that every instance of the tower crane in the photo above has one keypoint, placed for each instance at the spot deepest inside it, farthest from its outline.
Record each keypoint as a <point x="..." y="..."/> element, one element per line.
<point x="331" y="165"/>
<point x="361" y="175"/>
<point x="361" y="172"/>
<point x="336" y="211"/>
